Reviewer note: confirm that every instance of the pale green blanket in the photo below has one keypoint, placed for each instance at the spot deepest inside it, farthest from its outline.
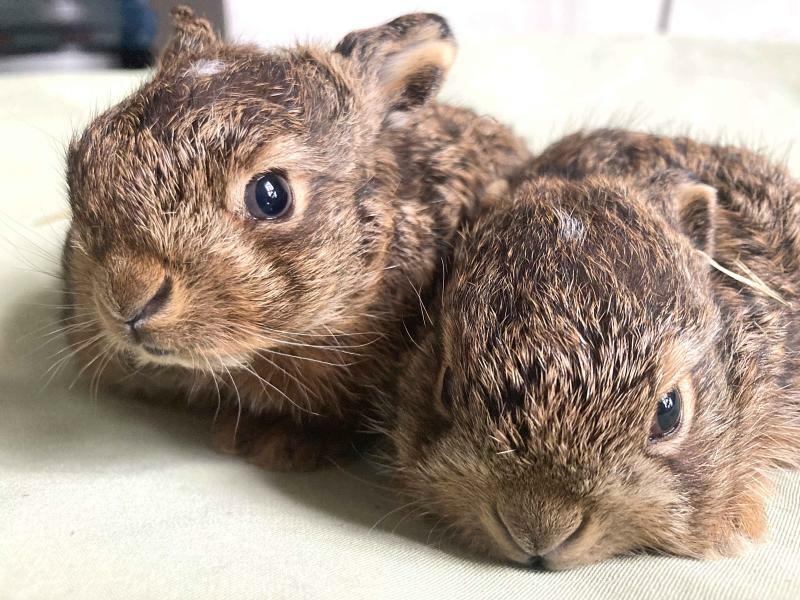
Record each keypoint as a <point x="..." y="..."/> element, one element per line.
<point x="102" y="498"/>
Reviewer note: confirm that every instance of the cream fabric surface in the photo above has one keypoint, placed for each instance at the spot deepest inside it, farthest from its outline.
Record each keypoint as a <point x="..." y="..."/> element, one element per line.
<point x="108" y="498"/>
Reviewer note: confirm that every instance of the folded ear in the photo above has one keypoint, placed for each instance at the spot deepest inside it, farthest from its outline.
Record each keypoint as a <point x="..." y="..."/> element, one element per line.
<point x="406" y="59"/>
<point x="696" y="205"/>
<point x="193" y="36"/>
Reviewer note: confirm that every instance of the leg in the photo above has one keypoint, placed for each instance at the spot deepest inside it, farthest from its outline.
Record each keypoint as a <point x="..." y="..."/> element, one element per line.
<point x="281" y="444"/>
<point x="233" y="433"/>
<point x="289" y="446"/>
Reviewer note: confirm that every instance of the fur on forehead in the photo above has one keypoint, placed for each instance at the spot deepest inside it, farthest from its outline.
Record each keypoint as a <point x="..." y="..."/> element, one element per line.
<point x="582" y="240"/>
<point x="401" y="64"/>
<point x="199" y="70"/>
<point x="217" y="95"/>
<point x="538" y="325"/>
<point x="219" y="113"/>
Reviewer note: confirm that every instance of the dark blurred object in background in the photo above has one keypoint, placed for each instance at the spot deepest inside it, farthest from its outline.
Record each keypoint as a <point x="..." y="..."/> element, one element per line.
<point x="137" y="34"/>
<point x="40" y="35"/>
<point x="47" y="34"/>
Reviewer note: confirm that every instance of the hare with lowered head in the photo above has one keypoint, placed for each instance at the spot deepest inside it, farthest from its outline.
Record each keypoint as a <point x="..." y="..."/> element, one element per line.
<point x="594" y="384"/>
<point x="258" y="226"/>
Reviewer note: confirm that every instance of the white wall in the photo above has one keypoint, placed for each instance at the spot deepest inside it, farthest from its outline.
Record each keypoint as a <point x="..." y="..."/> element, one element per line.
<point x="284" y="22"/>
<point x="275" y="23"/>
<point x="774" y="20"/>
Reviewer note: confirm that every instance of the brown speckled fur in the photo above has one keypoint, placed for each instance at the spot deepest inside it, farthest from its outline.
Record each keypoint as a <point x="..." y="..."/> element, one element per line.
<point x="298" y="320"/>
<point x="570" y="308"/>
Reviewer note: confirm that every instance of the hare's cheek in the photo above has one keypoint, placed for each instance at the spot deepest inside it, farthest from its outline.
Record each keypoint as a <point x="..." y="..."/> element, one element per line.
<point x="754" y="518"/>
<point x="732" y="532"/>
<point x="750" y="525"/>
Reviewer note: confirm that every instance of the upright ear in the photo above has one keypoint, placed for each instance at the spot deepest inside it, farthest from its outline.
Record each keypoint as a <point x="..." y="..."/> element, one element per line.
<point x="406" y="59"/>
<point x="193" y="36"/>
<point x="696" y="206"/>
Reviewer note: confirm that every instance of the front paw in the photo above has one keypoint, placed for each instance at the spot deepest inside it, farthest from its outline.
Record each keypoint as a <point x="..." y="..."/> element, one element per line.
<point x="235" y="434"/>
<point x="288" y="446"/>
<point x="280" y="444"/>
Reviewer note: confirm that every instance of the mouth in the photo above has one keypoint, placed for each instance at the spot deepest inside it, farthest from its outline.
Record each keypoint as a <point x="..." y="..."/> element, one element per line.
<point x="142" y="350"/>
<point x="148" y="354"/>
<point x="156" y="351"/>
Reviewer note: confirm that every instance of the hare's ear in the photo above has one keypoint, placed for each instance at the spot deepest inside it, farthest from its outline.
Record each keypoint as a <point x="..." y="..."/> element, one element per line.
<point x="690" y="206"/>
<point x="405" y="59"/>
<point x="696" y="206"/>
<point x="193" y="36"/>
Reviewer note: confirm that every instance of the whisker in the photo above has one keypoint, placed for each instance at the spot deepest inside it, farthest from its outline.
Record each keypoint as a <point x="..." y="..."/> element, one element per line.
<point x="281" y="392"/>
<point x="306" y="390"/>
<point x="216" y="385"/>
<point x="238" y="402"/>
<point x="393" y="511"/>
<point x="371" y="484"/>
<point x="304" y="358"/>
<point x="94" y="384"/>
<point x="83" y="370"/>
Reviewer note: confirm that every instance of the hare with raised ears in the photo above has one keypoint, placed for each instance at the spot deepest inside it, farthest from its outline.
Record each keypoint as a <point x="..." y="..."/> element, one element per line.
<point x="614" y="360"/>
<point x="260" y="226"/>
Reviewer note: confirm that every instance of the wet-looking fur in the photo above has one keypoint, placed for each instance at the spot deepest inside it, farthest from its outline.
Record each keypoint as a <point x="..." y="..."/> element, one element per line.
<point x="298" y="319"/>
<point x="570" y="309"/>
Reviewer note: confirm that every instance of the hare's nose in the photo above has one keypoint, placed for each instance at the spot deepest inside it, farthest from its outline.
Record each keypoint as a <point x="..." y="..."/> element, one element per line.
<point x="532" y="539"/>
<point x="151" y="307"/>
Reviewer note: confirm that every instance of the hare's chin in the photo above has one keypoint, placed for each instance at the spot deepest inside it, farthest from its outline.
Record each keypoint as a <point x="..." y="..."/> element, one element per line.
<point x="145" y="355"/>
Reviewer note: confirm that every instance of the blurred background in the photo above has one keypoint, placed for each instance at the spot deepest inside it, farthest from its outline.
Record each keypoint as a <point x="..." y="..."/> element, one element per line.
<point x="47" y="35"/>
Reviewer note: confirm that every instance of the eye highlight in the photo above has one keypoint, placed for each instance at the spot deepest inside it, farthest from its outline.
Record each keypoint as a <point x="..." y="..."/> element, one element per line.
<point x="667" y="419"/>
<point x="268" y="196"/>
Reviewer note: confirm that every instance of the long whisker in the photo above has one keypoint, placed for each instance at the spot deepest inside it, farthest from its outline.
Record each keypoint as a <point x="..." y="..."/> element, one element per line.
<point x="329" y="334"/>
<point x="413" y="503"/>
<point x="216" y="385"/>
<point x="53" y="336"/>
<point x="284" y="342"/>
<point x="238" y="402"/>
<point x="83" y="370"/>
<point x="371" y="484"/>
<point x="71" y="351"/>
<point x="274" y="387"/>
<point x="306" y="390"/>
<point x="304" y="358"/>
<point x="94" y="384"/>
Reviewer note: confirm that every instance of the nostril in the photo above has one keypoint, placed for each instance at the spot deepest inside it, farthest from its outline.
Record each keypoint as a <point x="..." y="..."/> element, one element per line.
<point x="152" y="306"/>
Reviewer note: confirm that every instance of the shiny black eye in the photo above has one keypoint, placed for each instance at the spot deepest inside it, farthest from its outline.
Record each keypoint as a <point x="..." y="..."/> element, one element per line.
<point x="668" y="416"/>
<point x="268" y="196"/>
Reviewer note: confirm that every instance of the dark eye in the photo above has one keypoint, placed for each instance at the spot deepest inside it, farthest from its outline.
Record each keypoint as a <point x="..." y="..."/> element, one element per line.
<point x="668" y="416"/>
<point x="268" y="196"/>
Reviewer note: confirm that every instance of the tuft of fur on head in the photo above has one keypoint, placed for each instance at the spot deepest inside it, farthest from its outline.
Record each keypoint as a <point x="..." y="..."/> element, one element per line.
<point x="570" y="308"/>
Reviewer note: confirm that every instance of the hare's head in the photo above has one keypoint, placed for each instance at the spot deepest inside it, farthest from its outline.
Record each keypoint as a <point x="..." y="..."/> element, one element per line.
<point x="574" y="400"/>
<point x="239" y="198"/>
